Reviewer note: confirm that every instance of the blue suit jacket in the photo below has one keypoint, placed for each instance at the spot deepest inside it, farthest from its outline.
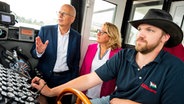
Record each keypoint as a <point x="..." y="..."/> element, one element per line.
<point x="48" y="59"/>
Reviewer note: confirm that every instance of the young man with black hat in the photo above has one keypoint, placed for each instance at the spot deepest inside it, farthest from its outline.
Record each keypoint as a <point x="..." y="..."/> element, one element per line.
<point x="146" y="74"/>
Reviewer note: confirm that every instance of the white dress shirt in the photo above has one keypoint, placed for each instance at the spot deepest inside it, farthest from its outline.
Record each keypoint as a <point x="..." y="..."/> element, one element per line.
<point x="62" y="47"/>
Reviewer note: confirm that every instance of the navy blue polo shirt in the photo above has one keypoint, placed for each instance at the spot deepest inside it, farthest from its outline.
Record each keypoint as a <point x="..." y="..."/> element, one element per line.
<point x="159" y="82"/>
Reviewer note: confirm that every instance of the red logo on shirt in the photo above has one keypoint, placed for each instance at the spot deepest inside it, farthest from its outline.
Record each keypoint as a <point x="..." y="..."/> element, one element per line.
<point x="147" y="88"/>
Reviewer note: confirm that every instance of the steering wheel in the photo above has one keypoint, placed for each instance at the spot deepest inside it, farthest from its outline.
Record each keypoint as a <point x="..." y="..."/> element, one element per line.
<point x="80" y="96"/>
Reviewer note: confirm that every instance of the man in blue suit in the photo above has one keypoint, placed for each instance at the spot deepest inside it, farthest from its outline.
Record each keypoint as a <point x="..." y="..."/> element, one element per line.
<point x="58" y="49"/>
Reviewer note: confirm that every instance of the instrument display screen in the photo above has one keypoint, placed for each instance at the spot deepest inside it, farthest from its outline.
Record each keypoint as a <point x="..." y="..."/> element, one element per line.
<point x="5" y="18"/>
<point x="26" y="31"/>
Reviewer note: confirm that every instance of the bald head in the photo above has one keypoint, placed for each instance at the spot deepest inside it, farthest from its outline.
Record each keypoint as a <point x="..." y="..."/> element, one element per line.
<point x="70" y="8"/>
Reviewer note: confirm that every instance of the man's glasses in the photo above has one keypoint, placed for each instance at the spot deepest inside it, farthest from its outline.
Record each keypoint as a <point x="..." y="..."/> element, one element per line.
<point x="64" y="14"/>
<point x="101" y="32"/>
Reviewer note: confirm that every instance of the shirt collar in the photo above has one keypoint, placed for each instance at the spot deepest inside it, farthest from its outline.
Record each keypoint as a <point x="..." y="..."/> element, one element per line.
<point x="159" y="56"/>
<point x="132" y="54"/>
<point x="67" y="33"/>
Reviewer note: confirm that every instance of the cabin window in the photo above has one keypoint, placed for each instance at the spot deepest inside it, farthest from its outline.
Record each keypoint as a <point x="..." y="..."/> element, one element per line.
<point x="35" y="13"/>
<point x="139" y="9"/>
<point x="103" y="12"/>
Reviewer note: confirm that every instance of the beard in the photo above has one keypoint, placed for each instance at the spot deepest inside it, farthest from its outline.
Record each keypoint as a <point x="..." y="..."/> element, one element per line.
<point x="143" y="47"/>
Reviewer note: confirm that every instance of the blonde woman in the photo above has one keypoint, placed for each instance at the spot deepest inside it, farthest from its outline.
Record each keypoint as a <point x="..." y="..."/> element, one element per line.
<point x="108" y="44"/>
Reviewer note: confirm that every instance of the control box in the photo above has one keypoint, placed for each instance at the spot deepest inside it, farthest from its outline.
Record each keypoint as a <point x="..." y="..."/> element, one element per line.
<point x="22" y="34"/>
<point x="26" y="34"/>
<point x="7" y="19"/>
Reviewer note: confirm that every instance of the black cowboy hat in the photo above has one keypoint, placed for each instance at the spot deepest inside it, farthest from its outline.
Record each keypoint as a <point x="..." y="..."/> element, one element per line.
<point x="162" y="20"/>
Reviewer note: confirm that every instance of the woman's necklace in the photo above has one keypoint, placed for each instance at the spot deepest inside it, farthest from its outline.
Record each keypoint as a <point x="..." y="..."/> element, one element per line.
<point x="99" y="55"/>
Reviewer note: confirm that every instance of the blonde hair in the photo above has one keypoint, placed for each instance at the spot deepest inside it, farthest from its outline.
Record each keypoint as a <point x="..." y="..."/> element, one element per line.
<point x="114" y="34"/>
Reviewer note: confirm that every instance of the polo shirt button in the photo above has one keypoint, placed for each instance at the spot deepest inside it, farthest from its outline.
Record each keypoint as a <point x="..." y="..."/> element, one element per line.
<point x="140" y="77"/>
